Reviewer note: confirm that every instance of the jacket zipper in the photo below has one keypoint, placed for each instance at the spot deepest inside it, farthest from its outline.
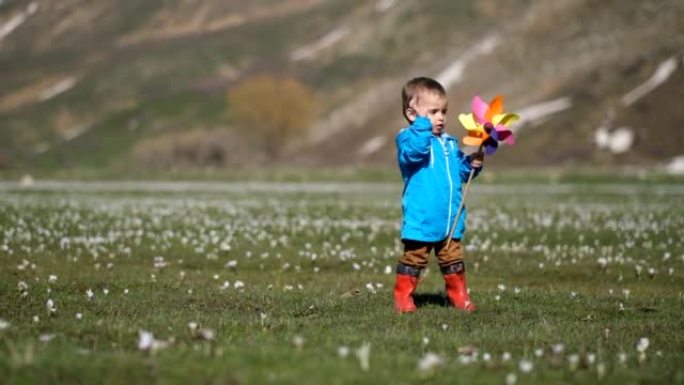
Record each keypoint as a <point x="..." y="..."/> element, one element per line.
<point x="451" y="184"/>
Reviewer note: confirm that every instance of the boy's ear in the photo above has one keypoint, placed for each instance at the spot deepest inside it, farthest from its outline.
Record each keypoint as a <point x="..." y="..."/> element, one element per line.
<point x="410" y="114"/>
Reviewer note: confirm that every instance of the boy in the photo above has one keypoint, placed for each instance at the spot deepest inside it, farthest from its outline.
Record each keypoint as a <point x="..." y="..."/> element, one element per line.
<point x="433" y="169"/>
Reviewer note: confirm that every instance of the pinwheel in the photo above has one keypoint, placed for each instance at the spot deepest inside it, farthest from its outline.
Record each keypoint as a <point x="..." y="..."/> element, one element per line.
<point x="486" y="126"/>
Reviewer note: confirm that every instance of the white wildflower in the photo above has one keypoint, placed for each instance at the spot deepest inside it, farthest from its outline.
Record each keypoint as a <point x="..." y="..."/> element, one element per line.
<point x="147" y="342"/>
<point x="591" y="358"/>
<point x="343" y="351"/>
<point x="525" y="366"/>
<point x="160" y="263"/>
<point x="47" y="337"/>
<point x="601" y="370"/>
<point x="298" y="342"/>
<point x="51" y="306"/>
<point x="363" y="355"/>
<point x="429" y="362"/>
<point x="206" y="334"/>
<point x="602" y="262"/>
<point x="466" y="359"/>
<point x="622" y="357"/>
<point x="511" y="379"/>
<point x="557" y="348"/>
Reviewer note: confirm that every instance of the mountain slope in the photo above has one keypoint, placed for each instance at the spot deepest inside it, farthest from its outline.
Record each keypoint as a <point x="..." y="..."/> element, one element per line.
<point x="94" y="84"/>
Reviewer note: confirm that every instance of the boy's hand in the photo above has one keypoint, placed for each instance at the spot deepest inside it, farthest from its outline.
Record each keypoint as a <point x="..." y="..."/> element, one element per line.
<point x="415" y="110"/>
<point x="477" y="159"/>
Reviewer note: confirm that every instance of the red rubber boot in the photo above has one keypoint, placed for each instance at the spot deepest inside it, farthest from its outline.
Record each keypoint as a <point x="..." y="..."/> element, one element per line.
<point x="456" y="288"/>
<point x="403" y="291"/>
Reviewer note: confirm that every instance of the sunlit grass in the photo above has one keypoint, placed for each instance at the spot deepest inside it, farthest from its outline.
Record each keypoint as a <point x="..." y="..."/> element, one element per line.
<point x="286" y="283"/>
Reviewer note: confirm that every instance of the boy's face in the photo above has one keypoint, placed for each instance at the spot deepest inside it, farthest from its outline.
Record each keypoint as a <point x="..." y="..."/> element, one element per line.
<point x="431" y="105"/>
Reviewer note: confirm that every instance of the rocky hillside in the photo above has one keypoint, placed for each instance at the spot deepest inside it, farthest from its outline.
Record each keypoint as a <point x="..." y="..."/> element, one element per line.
<point x="121" y="84"/>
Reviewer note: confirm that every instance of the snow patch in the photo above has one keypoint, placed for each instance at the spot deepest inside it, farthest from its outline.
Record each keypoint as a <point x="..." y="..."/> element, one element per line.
<point x="602" y="137"/>
<point x="454" y="72"/>
<point x="17" y="20"/>
<point x="384" y="5"/>
<point x="57" y="88"/>
<point x="75" y="132"/>
<point x="372" y="145"/>
<point x="27" y="181"/>
<point x="354" y="114"/>
<point x="537" y="112"/>
<point x="675" y="166"/>
<point x="310" y="51"/>
<point x="617" y="141"/>
<point x="660" y="76"/>
<point x="41" y="148"/>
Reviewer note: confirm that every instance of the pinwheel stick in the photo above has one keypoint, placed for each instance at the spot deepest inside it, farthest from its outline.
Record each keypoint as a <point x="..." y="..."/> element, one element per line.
<point x="462" y="205"/>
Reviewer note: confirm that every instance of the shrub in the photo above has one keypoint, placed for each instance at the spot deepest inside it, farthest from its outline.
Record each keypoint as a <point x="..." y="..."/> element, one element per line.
<point x="271" y="110"/>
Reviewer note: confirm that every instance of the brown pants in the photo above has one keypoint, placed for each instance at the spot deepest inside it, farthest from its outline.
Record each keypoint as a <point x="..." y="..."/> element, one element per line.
<point x="416" y="253"/>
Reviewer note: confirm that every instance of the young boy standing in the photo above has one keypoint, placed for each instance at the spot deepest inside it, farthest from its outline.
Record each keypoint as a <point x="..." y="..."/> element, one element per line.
<point x="433" y="169"/>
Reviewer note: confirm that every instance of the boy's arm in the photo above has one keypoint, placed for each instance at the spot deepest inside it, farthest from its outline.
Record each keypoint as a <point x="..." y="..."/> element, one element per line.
<point x="413" y="143"/>
<point x="466" y="166"/>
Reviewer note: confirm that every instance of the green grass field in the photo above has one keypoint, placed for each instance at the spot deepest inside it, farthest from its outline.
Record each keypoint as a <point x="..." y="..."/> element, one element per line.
<point x="250" y="283"/>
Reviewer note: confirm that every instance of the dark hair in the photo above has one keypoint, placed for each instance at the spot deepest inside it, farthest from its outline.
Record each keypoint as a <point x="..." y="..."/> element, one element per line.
<point x="415" y="86"/>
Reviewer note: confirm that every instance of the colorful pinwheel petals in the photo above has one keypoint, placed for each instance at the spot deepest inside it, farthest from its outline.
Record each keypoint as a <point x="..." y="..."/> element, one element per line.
<point x="487" y="124"/>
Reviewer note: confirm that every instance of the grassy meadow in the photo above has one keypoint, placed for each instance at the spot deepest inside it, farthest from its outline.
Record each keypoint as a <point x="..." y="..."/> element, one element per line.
<point x="291" y="283"/>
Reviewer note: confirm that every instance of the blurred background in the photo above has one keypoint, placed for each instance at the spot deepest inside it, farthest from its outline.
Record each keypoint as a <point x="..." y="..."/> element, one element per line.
<point x="129" y="87"/>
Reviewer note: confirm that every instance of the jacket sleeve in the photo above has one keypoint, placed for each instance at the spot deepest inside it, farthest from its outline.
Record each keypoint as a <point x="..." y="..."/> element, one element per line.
<point x="466" y="167"/>
<point x="413" y="142"/>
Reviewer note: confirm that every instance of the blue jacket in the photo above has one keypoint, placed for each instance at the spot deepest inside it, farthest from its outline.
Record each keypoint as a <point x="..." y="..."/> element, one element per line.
<point x="433" y="169"/>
